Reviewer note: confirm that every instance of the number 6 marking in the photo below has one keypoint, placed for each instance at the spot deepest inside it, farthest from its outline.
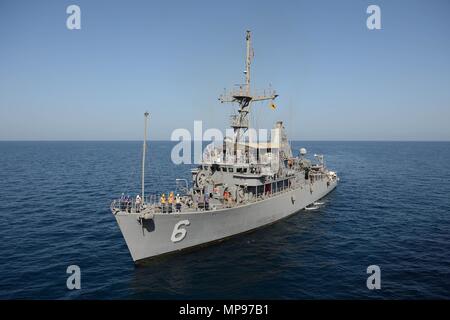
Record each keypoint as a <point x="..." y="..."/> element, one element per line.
<point x="178" y="233"/>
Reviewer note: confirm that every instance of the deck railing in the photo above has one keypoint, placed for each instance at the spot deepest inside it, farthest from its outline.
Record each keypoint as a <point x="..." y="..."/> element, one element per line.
<point x="152" y="201"/>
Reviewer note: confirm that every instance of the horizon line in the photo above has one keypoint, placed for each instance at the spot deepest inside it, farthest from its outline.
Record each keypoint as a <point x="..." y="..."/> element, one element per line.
<point x="163" y="140"/>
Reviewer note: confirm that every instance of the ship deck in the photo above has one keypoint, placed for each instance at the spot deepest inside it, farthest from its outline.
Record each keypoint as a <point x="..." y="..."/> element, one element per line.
<point x="153" y="206"/>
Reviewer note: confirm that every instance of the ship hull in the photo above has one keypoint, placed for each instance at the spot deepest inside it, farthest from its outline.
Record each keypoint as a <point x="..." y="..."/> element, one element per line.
<point x="170" y="233"/>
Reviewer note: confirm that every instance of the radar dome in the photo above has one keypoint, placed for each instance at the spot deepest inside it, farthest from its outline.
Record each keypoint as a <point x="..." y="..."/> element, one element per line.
<point x="302" y="151"/>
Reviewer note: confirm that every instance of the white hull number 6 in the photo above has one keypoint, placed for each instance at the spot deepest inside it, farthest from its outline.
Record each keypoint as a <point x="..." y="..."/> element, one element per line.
<point x="179" y="232"/>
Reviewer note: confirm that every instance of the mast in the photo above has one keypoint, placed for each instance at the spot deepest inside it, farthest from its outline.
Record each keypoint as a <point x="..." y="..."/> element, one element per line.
<point x="243" y="96"/>
<point x="144" y="150"/>
<point x="248" y="62"/>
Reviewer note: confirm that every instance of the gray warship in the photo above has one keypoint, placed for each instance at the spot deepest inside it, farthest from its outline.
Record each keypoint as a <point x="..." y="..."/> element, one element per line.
<point x="240" y="185"/>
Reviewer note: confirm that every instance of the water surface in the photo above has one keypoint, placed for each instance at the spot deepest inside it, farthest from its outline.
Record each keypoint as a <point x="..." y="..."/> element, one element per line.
<point x="392" y="209"/>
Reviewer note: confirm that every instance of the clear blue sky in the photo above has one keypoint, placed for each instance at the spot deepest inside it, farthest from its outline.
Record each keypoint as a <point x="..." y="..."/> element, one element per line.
<point x="336" y="79"/>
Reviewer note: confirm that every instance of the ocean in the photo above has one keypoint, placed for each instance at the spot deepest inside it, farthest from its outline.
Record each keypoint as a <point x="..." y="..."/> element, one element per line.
<point x="391" y="209"/>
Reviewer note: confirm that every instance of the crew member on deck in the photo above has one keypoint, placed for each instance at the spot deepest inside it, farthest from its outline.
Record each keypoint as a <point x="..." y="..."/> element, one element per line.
<point x="163" y="202"/>
<point x="138" y="203"/>
<point x="128" y="203"/>
<point x="206" y="199"/>
<point x="122" y="202"/>
<point x="171" y="201"/>
<point x="178" y="203"/>
<point x="226" y="197"/>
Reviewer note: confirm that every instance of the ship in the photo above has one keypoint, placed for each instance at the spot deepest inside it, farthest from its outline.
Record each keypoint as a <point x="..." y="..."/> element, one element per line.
<point x="239" y="186"/>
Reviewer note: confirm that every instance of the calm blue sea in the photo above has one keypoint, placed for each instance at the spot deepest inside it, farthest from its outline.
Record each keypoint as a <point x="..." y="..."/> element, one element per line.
<point x="392" y="209"/>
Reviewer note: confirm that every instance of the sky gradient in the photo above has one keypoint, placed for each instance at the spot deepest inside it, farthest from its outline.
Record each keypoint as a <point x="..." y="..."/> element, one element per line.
<point x="337" y="79"/>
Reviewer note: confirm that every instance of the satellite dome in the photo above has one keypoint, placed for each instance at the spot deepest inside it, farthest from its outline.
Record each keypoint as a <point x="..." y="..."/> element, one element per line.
<point x="302" y="151"/>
